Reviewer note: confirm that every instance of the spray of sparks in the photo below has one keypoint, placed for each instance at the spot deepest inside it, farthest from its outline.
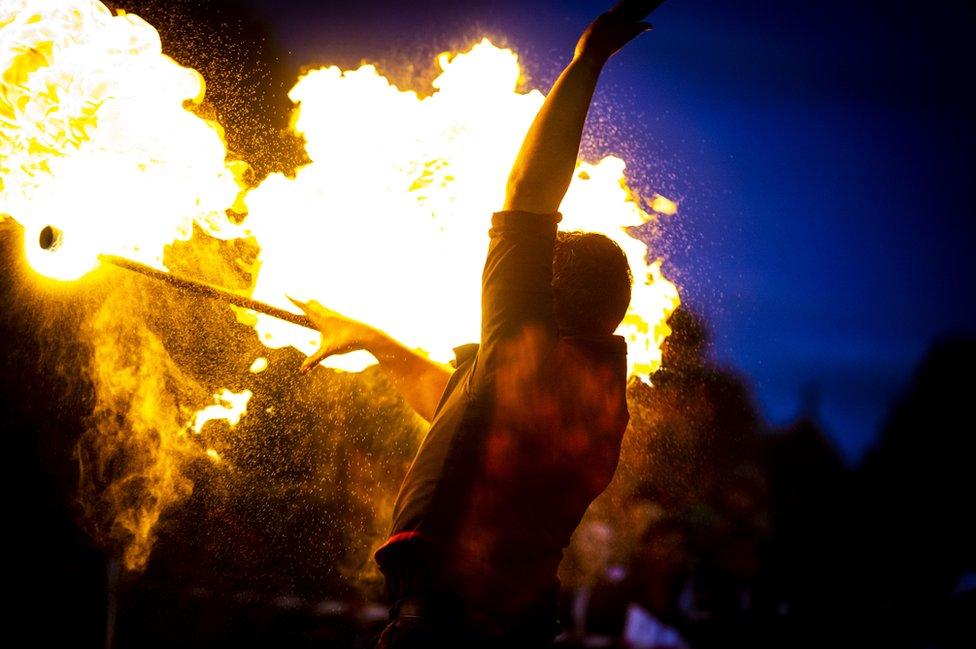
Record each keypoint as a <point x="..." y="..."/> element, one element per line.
<point x="387" y="224"/>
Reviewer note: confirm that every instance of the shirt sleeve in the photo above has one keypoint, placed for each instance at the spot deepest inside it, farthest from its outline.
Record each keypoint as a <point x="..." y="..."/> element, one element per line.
<point x="516" y="289"/>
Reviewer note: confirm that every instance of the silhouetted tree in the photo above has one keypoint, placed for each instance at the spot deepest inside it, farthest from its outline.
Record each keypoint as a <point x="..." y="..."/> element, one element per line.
<point x="690" y="486"/>
<point x="918" y="486"/>
<point x="806" y="568"/>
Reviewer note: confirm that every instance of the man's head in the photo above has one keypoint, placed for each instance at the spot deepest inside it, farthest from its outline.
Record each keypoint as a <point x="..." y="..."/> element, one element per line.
<point x="591" y="282"/>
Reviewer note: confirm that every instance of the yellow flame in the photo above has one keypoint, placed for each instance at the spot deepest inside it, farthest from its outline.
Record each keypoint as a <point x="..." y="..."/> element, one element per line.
<point x="388" y="224"/>
<point x="229" y="406"/>
<point x="131" y="459"/>
<point x="95" y="139"/>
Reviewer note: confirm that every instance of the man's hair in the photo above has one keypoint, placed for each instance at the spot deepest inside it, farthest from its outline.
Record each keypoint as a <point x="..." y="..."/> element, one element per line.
<point x="591" y="283"/>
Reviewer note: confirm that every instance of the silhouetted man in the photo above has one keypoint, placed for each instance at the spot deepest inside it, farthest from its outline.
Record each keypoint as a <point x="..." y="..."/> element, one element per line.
<point x="526" y="430"/>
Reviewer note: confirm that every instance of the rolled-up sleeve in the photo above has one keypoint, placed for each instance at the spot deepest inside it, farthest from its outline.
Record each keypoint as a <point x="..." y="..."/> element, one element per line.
<point x="516" y="291"/>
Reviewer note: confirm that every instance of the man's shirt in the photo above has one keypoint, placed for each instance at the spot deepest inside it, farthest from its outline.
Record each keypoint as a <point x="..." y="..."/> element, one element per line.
<point x="526" y="435"/>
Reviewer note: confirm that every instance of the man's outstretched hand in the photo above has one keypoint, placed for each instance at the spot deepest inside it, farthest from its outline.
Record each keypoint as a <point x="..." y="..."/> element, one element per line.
<point x="420" y="380"/>
<point x="339" y="333"/>
<point x="612" y="30"/>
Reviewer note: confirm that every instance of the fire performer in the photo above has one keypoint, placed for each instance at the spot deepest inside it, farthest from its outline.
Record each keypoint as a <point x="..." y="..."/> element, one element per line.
<point x="526" y="428"/>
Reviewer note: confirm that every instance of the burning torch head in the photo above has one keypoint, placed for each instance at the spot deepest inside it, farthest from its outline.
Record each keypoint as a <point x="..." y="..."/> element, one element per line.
<point x="58" y="257"/>
<point x="49" y="238"/>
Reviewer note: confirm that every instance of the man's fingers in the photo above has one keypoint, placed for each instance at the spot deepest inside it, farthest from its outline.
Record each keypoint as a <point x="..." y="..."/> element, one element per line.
<point x="635" y="9"/>
<point x="329" y="347"/>
<point x="641" y="28"/>
<point x="312" y="307"/>
<point x="301" y="305"/>
<point x="320" y="355"/>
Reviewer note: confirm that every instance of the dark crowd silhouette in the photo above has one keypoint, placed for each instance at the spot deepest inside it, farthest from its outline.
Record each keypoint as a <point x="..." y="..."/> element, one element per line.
<point x="724" y="533"/>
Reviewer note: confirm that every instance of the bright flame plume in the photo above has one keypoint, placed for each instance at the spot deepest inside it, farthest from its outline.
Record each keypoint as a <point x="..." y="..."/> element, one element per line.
<point x="387" y="223"/>
<point x="95" y="139"/>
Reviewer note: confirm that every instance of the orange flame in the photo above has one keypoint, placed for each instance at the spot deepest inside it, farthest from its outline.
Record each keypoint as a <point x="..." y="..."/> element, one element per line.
<point x="388" y="223"/>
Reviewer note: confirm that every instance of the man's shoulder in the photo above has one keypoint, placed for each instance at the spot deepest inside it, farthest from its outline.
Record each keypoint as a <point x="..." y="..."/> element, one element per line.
<point x="610" y="346"/>
<point x="464" y="354"/>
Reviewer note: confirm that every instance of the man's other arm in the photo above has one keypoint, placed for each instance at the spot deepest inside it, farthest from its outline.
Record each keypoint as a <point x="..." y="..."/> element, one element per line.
<point x="420" y="380"/>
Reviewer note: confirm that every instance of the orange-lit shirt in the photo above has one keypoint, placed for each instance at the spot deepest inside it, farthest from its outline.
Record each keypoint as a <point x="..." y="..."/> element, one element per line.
<point x="526" y="435"/>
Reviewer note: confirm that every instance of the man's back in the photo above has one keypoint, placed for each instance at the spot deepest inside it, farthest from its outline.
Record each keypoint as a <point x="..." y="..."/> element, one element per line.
<point x="550" y="447"/>
<point x="526" y="435"/>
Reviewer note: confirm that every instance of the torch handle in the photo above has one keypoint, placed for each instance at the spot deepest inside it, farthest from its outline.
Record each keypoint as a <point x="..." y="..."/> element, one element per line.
<point x="203" y="289"/>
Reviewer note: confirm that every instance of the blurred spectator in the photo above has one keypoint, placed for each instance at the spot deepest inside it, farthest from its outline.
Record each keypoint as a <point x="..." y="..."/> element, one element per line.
<point x="609" y="605"/>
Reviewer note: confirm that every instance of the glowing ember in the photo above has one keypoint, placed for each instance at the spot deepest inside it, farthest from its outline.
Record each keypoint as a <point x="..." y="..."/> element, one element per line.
<point x="663" y="205"/>
<point x="229" y="406"/>
<point x="259" y="365"/>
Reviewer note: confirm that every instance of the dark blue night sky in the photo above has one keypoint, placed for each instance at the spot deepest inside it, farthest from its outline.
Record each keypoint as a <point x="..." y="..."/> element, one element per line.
<point x="822" y="153"/>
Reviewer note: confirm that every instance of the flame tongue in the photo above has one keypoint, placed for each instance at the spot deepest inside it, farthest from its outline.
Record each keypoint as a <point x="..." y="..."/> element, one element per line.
<point x="228" y="406"/>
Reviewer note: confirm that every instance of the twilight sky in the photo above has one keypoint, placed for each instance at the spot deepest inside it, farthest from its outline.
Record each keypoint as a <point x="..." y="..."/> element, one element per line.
<point x="821" y="154"/>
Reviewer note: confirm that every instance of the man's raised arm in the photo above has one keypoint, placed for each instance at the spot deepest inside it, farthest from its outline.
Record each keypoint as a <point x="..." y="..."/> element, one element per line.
<point x="545" y="163"/>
